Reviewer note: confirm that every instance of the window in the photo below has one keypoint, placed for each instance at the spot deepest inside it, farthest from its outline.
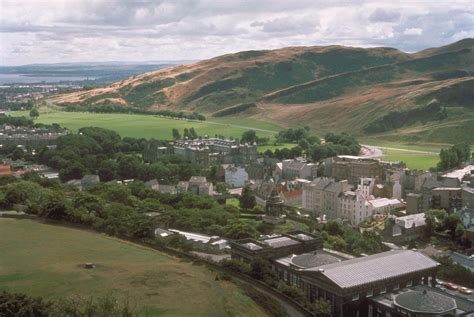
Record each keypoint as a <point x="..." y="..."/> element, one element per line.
<point x="383" y="290"/>
<point x="355" y="297"/>
<point x="370" y="293"/>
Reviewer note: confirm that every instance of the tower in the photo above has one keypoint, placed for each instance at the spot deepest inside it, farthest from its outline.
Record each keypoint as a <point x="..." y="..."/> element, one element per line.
<point x="274" y="209"/>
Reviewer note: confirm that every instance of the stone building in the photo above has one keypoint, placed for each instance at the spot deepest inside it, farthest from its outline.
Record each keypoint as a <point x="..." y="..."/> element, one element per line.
<point x="353" y="168"/>
<point x="215" y="151"/>
<point x="414" y="203"/>
<point x="291" y="169"/>
<point x="447" y="198"/>
<point x="321" y="196"/>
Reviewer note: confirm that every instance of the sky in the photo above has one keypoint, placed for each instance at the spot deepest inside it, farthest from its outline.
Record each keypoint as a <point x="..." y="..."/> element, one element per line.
<point x="57" y="31"/>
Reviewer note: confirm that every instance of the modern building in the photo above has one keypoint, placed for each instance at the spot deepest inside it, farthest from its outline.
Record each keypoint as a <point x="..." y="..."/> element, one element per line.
<point x="419" y="301"/>
<point x="348" y="285"/>
<point x="295" y="242"/>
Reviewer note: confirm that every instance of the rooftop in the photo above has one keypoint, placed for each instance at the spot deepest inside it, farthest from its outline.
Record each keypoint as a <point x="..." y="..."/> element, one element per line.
<point x="410" y="221"/>
<point x="365" y="270"/>
<point x="460" y="173"/>
<point x="309" y="260"/>
<point x="425" y="302"/>
<point x="280" y="242"/>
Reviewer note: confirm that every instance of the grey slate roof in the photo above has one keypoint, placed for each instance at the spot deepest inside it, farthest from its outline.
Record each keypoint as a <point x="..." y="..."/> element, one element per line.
<point x="425" y="301"/>
<point x="364" y="270"/>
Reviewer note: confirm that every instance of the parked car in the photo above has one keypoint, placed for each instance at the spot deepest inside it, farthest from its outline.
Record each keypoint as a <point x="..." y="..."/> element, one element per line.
<point x="465" y="290"/>
<point x="451" y="286"/>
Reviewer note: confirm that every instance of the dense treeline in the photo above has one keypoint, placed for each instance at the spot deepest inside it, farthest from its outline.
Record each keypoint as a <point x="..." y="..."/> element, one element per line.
<point x="113" y="108"/>
<point x="454" y="156"/>
<point x="21" y="305"/>
<point x="28" y="122"/>
<point x="345" y="239"/>
<point x="334" y="144"/>
<point x="17" y="106"/>
<point x="397" y="119"/>
<point x="122" y="210"/>
<point x="103" y="152"/>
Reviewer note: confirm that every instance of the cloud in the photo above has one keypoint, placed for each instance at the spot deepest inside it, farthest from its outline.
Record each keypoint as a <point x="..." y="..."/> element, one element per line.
<point x="382" y="15"/>
<point x="38" y="31"/>
<point x="413" y="31"/>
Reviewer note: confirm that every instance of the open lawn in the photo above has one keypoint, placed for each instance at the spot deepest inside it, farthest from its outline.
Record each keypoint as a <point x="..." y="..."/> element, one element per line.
<point x="45" y="260"/>
<point x="420" y="162"/>
<point x="150" y="126"/>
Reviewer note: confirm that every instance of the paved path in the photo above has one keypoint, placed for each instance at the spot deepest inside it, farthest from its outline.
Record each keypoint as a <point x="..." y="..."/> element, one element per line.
<point x="370" y="151"/>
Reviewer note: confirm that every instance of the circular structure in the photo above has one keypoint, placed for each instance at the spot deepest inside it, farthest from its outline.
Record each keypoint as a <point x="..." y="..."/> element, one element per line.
<point x="314" y="259"/>
<point x="426" y="302"/>
<point x="89" y="265"/>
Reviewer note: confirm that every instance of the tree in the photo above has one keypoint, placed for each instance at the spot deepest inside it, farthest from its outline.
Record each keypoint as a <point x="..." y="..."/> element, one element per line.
<point x="249" y="136"/>
<point x="193" y="134"/>
<point x="17" y="154"/>
<point x="176" y="134"/>
<point x="322" y="307"/>
<point x="34" y="113"/>
<point x="107" y="170"/>
<point x="186" y="134"/>
<point x="248" y="199"/>
<point x="16" y="304"/>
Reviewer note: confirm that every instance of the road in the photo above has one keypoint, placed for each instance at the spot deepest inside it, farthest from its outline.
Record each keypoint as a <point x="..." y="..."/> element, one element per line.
<point x="370" y="151"/>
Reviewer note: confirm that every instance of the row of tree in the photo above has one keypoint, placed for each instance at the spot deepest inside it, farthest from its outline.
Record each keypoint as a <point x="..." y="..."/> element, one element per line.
<point x="454" y="156"/>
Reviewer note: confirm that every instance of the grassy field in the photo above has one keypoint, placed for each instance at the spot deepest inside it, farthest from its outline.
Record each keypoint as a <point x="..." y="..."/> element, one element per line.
<point x="44" y="260"/>
<point x="420" y="162"/>
<point x="149" y="126"/>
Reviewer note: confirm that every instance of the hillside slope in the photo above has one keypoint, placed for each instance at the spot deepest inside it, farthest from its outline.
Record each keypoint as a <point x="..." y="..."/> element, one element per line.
<point x="331" y="88"/>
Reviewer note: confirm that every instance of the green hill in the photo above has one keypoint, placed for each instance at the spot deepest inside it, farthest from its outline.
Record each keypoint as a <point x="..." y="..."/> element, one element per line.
<point x="331" y="88"/>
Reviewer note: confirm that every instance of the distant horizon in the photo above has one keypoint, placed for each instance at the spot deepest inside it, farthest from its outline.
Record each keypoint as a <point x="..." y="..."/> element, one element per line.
<point x="184" y="61"/>
<point x="59" y="31"/>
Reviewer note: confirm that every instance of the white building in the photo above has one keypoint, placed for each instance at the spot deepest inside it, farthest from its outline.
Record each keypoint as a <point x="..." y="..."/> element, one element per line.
<point x="355" y="207"/>
<point x="236" y="176"/>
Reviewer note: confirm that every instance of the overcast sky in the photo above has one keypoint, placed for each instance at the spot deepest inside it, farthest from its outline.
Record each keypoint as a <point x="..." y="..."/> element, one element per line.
<point x="52" y="31"/>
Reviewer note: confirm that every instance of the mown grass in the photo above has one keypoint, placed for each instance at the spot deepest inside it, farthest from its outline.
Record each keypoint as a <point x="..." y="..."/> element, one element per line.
<point x="45" y="260"/>
<point x="149" y="126"/>
<point x="419" y="162"/>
